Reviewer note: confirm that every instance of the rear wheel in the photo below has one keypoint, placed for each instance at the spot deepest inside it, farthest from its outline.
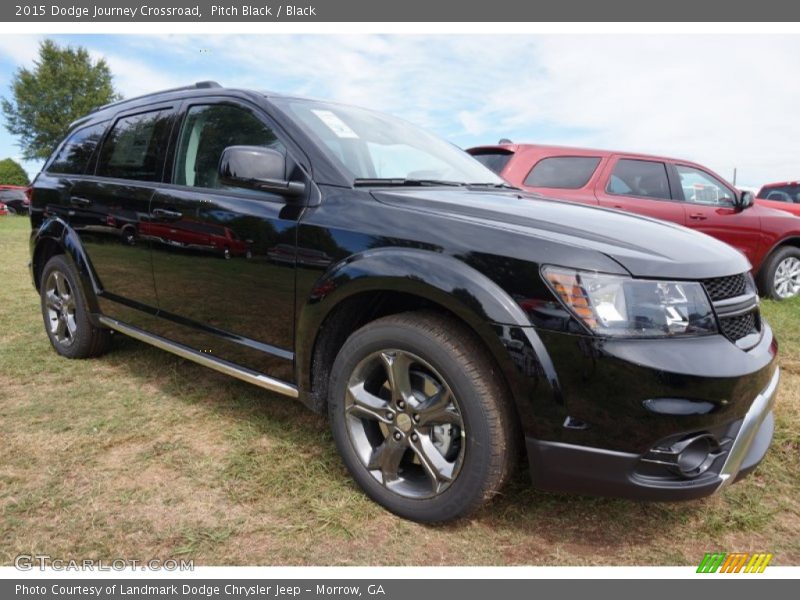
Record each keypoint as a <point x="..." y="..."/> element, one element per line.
<point x="420" y="418"/>
<point x="66" y="317"/>
<point x="780" y="276"/>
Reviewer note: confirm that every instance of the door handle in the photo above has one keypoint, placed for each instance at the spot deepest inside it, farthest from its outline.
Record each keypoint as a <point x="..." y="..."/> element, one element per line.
<point x="163" y="213"/>
<point x="78" y="201"/>
<point x="698" y="216"/>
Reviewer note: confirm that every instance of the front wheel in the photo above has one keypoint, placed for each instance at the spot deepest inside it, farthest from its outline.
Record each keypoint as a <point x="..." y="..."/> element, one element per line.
<point x="780" y="275"/>
<point x="420" y="417"/>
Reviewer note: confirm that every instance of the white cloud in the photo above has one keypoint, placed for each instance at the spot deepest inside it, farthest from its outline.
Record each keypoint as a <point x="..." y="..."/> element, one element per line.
<point x="725" y="101"/>
<point x="21" y="49"/>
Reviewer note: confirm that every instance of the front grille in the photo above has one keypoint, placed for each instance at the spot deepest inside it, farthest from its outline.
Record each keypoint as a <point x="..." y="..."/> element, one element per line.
<point x="722" y="288"/>
<point x="735" y="328"/>
<point x="731" y="296"/>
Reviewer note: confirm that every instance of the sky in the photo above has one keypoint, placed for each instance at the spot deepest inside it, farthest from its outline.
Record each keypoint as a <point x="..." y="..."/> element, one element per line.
<point x="726" y="101"/>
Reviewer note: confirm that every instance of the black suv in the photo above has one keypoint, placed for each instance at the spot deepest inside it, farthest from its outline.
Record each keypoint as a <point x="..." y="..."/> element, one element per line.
<point x="440" y="317"/>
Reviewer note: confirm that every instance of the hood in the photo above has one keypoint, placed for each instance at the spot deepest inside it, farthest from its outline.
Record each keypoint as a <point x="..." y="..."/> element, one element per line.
<point x="643" y="246"/>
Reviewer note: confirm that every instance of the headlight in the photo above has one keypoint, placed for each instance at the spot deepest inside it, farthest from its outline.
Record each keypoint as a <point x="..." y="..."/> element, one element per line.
<point x="615" y="305"/>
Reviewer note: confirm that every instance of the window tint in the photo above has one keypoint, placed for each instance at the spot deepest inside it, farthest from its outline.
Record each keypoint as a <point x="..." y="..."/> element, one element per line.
<point x="701" y="188"/>
<point x="74" y="155"/>
<point x="135" y="147"/>
<point x="565" y="172"/>
<point x="643" y="178"/>
<point x="12" y="195"/>
<point x="207" y="131"/>
<point x="494" y="161"/>
<point x="781" y="193"/>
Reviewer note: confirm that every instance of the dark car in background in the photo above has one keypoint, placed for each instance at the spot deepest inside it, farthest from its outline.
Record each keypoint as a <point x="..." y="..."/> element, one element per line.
<point x="671" y="189"/>
<point x="437" y="316"/>
<point x="15" y="198"/>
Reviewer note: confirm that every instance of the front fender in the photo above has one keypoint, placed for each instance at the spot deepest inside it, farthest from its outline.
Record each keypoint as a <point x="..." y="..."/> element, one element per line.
<point x="448" y="282"/>
<point x="56" y="231"/>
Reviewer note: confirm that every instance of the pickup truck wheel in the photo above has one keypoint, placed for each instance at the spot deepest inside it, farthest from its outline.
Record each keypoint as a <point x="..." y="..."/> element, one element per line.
<point x="420" y="418"/>
<point x="66" y="318"/>
<point x="780" y="276"/>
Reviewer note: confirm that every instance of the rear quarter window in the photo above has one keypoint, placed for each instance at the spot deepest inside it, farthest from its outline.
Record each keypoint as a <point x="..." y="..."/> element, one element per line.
<point x="494" y="161"/>
<point x="74" y="155"/>
<point x="563" y="172"/>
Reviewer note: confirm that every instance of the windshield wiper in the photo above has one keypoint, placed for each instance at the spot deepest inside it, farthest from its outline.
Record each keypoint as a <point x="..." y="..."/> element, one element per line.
<point x="399" y="182"/>
<point x="504" y="186"/>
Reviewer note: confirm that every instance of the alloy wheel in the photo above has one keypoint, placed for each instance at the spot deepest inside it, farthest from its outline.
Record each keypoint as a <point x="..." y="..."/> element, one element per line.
<point x="60" y="305"/>
<point x="787" y="277"/>
<point x="405" y="424"/>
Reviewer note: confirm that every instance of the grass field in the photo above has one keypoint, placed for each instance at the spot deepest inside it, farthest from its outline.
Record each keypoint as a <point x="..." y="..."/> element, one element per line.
<point x="142" y="455"/>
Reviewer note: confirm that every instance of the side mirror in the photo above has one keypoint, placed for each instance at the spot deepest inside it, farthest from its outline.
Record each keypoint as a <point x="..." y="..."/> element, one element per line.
<point x="746" y="200"/>
<point x="257" y="168"/>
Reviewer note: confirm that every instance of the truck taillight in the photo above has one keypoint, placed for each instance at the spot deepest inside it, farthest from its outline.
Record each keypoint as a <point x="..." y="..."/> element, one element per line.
<point x="28" y="194"/>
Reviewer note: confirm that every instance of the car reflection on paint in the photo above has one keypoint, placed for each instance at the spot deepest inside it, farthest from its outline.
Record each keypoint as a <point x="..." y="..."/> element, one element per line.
<point x="195" y="235"/>
<point x="307" y="257"/>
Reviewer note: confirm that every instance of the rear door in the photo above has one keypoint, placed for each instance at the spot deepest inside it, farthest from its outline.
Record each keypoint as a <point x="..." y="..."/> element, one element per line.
<point x="218" y="290"/>
<point x="107" y="210"/>
<point x="710" y="206"/>
<point x="640" y="186"/>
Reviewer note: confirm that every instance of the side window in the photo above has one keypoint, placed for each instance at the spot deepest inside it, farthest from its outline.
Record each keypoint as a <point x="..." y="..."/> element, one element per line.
<point x="136" y="146"/>
<point x="701" y="188"/>
<point x="563" y="172"/>
<point x="207" y="131"/>
<point x="74" y="155"/>
<point x="642" y="178"/>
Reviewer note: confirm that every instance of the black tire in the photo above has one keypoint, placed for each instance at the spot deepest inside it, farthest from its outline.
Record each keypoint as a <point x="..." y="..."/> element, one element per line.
<point x="11" y="210"/>
<point x="129" y="235"/>
<point x="767" y="275"/>
<point x="488" y="435"/>
<point x="79" y="338"/>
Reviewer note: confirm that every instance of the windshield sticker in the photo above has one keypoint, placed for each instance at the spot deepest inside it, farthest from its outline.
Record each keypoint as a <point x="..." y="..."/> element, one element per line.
<point x="335" y="124"/>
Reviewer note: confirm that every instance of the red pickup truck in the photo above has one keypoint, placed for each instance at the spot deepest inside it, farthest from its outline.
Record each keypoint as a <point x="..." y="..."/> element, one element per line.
<point x="783" y="196"/>
<point x="670" y="189"/>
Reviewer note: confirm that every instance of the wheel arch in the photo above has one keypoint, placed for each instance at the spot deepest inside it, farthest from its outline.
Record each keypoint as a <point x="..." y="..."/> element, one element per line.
<point x="788" y="241"/>
<point x="386" y="281"/>
<point x="53" y="237"/>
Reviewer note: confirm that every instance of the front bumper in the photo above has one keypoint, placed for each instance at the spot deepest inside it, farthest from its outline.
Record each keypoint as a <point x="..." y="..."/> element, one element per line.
<point x="562" y="467"/>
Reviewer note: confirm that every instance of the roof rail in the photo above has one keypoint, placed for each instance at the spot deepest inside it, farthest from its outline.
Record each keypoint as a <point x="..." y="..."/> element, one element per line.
<point x="200" y="85"/>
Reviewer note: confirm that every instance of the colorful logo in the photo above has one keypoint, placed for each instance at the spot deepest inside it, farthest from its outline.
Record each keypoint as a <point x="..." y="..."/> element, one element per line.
<point x="734" y="562"/>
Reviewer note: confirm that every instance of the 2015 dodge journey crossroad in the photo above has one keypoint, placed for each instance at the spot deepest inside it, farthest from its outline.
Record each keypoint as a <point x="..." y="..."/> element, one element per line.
<point x="382" y="276"/>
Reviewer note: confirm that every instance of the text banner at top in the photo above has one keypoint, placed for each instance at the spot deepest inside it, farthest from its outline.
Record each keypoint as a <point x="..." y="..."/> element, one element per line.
<point x="401" y="11"/>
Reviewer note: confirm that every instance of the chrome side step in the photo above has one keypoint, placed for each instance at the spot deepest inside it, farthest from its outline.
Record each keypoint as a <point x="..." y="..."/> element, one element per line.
<point x="223" y="366"/>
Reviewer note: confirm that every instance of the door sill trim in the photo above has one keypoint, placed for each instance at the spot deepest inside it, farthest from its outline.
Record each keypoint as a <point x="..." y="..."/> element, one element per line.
<point x="218" y="364"/>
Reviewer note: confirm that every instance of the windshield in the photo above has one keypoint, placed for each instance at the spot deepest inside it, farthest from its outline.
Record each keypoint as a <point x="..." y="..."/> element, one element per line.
<point x="373" y="146"/>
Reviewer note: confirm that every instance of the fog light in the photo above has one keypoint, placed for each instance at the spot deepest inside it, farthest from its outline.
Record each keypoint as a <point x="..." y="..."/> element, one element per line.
<point x="695" y="455"/>
<point x="688" y="458"/>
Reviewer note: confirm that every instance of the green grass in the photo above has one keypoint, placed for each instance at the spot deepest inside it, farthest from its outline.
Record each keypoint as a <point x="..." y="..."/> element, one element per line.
<point x="143" y="455"/>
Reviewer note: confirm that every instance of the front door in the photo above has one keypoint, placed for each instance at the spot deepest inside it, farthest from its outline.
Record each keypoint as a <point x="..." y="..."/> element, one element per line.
<point x="711" y="208"/>
<point x="218" y="289"/>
